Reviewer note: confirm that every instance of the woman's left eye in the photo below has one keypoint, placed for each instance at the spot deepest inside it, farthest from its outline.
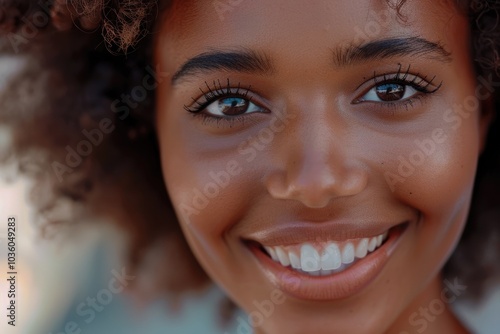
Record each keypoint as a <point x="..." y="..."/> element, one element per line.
<point x="389" y="92"/>
<point x="232" y="106"/>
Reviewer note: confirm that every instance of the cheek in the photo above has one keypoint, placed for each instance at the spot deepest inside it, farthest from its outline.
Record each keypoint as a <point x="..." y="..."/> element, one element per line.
<point x="434" y="173"/>
<point x="207" y="180"/>
<point x="211" y="191"/>
<point x="211" y="186"/>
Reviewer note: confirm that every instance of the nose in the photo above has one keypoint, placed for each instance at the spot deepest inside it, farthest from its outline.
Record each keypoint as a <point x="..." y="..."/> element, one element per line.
<point x="317" y="167"/>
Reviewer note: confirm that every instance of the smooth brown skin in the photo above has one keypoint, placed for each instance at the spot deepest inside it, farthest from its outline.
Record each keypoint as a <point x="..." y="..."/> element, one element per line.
<point x="333" y="153"/>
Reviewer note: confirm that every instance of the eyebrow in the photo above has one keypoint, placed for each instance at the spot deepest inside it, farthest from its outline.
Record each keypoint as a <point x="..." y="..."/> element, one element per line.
<point x="389" y="48"/>
<point x="238" y="61"/>
<point x="250" y="61"/>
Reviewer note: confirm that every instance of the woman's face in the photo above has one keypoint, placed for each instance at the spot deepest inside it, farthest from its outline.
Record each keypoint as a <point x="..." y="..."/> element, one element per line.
<point x="320" y="155"/>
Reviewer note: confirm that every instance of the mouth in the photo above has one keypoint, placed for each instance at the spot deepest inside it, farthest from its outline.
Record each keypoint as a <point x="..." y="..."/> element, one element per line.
<point x="327" y="269"/>
<point x="324" y="258"/>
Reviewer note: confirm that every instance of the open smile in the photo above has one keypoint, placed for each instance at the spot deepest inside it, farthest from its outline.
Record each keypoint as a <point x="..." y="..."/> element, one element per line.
<point x="327" y="269"/>
<point x="325" y="258"/>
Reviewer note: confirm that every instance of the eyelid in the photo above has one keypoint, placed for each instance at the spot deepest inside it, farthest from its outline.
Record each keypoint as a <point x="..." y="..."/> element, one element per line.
<point x="415" y="80"/>
<point x="421" y="84"/>
<point x="210" y="94"/>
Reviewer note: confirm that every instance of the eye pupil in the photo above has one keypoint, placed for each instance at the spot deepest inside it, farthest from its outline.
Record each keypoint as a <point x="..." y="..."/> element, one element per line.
<point x="233" y="105"/>
<point x="390" y="92"/>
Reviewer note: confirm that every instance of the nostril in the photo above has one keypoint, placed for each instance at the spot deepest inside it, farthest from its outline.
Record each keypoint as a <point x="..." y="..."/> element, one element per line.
<point x="356" y="182"/>
<point x="276" y="185"/>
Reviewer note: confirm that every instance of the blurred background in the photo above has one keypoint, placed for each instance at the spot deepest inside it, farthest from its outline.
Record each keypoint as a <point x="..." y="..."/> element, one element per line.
<point x="56" y="278"/>
<point x="60" y="279"/>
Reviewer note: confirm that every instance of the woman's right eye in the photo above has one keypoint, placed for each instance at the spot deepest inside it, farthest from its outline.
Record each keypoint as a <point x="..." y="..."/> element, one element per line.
<point x="232" y="106"/>
<point x="224" y="102"/>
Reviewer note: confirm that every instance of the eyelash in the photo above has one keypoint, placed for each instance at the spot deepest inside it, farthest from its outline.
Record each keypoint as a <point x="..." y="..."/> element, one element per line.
<point x="215" y="93"/>
<point x="402" y="79"/>
<point x="218" y="91"/>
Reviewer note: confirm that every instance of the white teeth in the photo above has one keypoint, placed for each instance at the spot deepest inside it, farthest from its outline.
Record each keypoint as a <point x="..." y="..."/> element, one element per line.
<point x="372" y="244"/>
<point x="321" y="260"/>
<point x="282" y="256"/>
<point x="331" y="257"/>
<point x="272" y="253"/>
<point x="294" y="260"/>
<point x="348" y="253"/>
<point x="362" y="249"/>
<point x="309" y="258"/>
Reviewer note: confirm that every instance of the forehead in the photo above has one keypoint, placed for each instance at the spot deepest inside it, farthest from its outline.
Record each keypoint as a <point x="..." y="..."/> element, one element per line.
<point x="254" y="16"/>
<point x="298" y="27"/>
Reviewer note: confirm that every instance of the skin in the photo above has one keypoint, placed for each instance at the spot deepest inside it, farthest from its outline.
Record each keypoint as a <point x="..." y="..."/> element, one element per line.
<point x="332" y="160"/>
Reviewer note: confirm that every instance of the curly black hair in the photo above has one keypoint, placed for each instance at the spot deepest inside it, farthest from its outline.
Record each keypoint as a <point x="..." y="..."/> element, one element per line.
<point x="82" y="55"/>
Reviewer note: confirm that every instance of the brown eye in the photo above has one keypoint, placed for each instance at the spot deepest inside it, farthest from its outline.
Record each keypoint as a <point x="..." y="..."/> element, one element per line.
<point x="232" y="106"/>
<point x="390" y="92"/>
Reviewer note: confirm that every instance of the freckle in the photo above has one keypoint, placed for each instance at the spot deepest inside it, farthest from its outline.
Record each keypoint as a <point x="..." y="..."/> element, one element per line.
<point x="411" y="193"/>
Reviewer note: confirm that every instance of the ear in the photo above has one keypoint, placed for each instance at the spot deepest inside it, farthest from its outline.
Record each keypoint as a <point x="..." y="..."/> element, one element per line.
<point x="488" y="114"/>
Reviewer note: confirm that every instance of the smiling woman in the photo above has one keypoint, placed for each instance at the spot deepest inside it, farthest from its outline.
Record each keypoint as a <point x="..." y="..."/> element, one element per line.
<point x="319" y="158"/>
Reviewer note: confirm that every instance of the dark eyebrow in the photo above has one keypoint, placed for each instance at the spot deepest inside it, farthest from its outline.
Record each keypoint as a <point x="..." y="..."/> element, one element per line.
<point x="388" y="48"/>
<point x="239" y="61"/>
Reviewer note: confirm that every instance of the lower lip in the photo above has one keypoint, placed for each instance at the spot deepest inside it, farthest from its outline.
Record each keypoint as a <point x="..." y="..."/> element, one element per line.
<point x="337" y="286"/>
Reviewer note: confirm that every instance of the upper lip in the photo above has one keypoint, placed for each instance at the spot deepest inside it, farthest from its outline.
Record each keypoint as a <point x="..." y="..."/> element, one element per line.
<point x="301" y="232"/>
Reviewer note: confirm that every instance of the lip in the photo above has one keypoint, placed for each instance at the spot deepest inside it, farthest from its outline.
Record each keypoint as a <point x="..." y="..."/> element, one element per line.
<point x="336" y="286"/>
<point x="300" y="232"/>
